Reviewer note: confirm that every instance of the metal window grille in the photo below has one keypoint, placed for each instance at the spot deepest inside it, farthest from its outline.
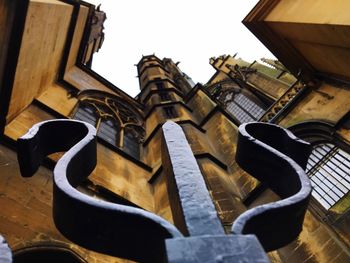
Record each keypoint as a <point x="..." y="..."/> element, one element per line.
<point x="329" y="170"/>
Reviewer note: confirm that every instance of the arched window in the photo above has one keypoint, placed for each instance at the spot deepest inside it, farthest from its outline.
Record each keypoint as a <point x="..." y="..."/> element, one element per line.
<point x="117" y="121"/>
<point x="240" y="103"/>
<point x="329" y="170"/>
<point x="329" y="163"/>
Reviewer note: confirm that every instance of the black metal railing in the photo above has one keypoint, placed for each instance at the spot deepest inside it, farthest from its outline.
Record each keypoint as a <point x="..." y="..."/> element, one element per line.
<point x="268" y="152"/>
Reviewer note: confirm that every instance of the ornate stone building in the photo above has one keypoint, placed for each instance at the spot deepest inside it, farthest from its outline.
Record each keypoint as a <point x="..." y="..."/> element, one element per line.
<point x="46" y="49"/>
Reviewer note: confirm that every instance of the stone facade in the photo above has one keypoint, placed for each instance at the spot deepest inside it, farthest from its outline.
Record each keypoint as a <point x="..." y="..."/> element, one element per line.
<point x="130" y="170"/>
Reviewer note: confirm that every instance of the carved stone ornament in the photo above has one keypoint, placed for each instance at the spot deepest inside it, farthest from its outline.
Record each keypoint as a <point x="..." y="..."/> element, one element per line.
<point x="239" y="72"/>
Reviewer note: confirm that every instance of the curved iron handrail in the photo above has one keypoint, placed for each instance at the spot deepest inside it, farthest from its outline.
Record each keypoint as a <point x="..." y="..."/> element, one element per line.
<point x="109" y="228"/>
<point x="276" y="157"/>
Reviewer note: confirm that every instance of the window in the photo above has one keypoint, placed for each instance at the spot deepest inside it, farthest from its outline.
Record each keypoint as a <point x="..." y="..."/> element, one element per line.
<point x="86" y="113"/>
<point x="117" y="122"/>
<point x="329" y="170"/>
<point x="240" y="103"/>
<point x="160" y="85"/>
<point x="131" y="143"/>
<point x="109" y="131"/>
<point x="164" y="96"/>
<point x="170" y="112"/>
<point x="243" y="108"/>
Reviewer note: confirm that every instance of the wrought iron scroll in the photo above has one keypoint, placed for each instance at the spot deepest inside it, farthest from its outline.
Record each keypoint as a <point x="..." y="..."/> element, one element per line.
<point x="276" y="157"/>
<point x="109" y="228"/>
<point x="268" y="152"/>
<point x="271" y="154"/>
<point x="194" y="212"/>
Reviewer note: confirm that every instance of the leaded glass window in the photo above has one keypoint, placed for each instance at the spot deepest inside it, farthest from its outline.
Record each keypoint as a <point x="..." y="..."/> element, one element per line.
<point x="243" y="108"/>
<point x="109" y="131"/>
<point x="131" y="145"/>
<point x="86" y="113"/>
<point x="117" y="122"/>
<point x="240" y="103"/>
<point x="329" y="170"/>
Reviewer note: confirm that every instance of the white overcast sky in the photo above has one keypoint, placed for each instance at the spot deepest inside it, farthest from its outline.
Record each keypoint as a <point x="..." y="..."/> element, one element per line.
<point x="189" y="31"/>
